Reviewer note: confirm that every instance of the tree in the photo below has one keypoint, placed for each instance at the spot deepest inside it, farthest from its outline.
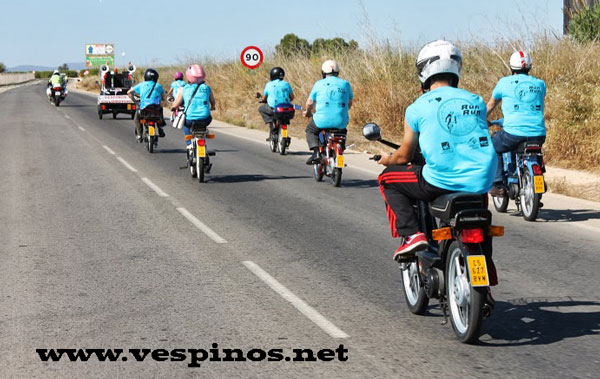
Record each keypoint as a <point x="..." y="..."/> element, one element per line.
<point x="63" y="67"/>
<point x="291" y="44"/>
<point x="585" y="24"/>
<point x="2" y="67"/>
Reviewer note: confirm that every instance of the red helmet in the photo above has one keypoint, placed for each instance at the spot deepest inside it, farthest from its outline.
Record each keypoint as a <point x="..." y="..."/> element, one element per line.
<point x="195" y="73"/>
<point x="178" y="75"/>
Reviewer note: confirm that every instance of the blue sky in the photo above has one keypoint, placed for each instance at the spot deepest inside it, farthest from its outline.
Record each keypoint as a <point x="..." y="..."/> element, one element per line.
<point x="162" y="32"/>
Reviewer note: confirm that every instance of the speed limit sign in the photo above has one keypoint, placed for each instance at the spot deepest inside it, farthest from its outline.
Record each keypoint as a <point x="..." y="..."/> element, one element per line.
<point x="251" y="57"/>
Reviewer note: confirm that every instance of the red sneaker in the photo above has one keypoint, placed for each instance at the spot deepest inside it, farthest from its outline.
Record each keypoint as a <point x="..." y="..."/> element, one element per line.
<point x="410" y="245"/>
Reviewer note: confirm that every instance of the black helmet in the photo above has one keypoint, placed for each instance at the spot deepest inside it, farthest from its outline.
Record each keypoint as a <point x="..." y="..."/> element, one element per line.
<point x="277" y="73"/>
<point x="151" y="74"/>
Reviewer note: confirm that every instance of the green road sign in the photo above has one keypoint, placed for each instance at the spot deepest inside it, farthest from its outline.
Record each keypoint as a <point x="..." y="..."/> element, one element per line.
<point x="99" y="60"/>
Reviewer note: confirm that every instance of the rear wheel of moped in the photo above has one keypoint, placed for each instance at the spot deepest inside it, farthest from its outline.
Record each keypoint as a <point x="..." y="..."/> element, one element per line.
<point x="281" y="143"/>
<point x="151" y="144"/>
<point x="336" y="177"/>
<point x="465" y="302"/>
<point x="500" y="203"/>
<point x="530" y="201"/>
<point x="273" y="142"/>
<point x="200" y="169"/>
<point x="414" y="293"/>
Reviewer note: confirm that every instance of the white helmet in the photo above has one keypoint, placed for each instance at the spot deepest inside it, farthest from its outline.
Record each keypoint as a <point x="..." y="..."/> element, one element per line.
<point x="520" y="60"/>
<point x="438" y="57"/>
<point x="55" y="72"/>
<point x="330" y="67"/>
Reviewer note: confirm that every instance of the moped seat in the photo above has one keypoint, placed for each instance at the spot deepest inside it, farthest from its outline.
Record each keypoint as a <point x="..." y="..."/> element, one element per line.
<point x="446" y="206"/>
<point x="528" y="146"/>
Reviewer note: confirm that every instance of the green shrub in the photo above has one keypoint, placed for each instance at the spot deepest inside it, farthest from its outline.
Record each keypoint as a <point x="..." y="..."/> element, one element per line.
<point x="585" y="24"/>
<point x="2" y="67"/>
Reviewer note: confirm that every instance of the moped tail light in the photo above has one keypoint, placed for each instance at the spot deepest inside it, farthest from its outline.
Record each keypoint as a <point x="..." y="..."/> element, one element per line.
<point x="441" y="234"/>
<point x="132" y="106"/>
<point x="201" y="142"/>
<point x="536" y="170"/>
<point x="151" y="122"/>
<point x="495" y="231"/>
<point x="471" y="235"/>
<point x="284" y="127"/>
<point x="103" y="107"/>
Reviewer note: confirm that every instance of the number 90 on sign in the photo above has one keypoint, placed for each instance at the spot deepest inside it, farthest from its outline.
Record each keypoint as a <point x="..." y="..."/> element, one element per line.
<point x="251" y="57"/>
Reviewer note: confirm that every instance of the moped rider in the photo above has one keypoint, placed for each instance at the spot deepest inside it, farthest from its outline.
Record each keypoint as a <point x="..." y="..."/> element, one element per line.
<point x="277" y="91"/>
<point x="332" y="97"/>
<point x="449" y="125"/>
<point x="197" y="99"/>
<point x="522" y="96"/>
<point x="151" y="94"/>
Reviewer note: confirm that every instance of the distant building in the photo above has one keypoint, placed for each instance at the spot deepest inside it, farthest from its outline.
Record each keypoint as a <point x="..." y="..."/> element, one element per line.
<point x="570" y="6"/>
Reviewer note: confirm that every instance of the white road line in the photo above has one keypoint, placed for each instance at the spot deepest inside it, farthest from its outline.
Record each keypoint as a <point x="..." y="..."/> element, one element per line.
<point x="80" y="128"/>
<point x="308" y="311"/>
<point x="200" y="225"/>
<point x="155" y="188"/>
<point x="109" y="149"/>
<point x="124" y="162"/>
<point x="67" y="116"/>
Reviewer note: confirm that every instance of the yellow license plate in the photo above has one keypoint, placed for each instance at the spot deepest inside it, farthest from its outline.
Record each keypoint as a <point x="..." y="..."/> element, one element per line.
<point x="151" y="130"/>
<point x="128" y="107"/>
<point x="478" y="270"/>
<point x="340" y="161"/>
<point x="538" y="184"/>
<point x="284" y="133"/>
<point x="201" y="151"/>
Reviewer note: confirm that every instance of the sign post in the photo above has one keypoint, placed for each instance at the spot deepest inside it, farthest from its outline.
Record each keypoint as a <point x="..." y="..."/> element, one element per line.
<point x="251" y="57"/>
<point x="97" y="54"/>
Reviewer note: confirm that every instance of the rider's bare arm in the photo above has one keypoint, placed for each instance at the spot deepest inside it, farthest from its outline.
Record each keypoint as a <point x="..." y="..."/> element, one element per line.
<point x="349" y="104"/>
<point x="211" y="100"/>
<point x="170" y="92"/>
<point x="130" y="94"/>
<point x="493" y="103"/>
<point x="178" y="101"/>
<point x="308" y="107"/>
<point x="292" y="97"/>
<point x="406" y="151"/>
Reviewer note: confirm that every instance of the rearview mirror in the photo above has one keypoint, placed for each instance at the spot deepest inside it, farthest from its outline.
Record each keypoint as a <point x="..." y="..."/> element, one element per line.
<point x="372" y="132"/>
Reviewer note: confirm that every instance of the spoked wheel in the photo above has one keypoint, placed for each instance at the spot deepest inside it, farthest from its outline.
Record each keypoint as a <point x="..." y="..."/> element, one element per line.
<point x="465" y="303"/>
<point x="281" y="142"/>
<point x="414" y="293"/>
<point x="273" y="142"/>
<point x="500" y="203"/>
<point x="318" y="171"/>
<point x="200" y="169"/>
<point x="530" y="201"/>
<point x="191" y="164"/>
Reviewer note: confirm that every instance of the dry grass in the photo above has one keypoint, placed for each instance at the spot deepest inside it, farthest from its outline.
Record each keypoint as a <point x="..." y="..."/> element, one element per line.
<point x="583" y="191"/>
<point x="384" y="83"/>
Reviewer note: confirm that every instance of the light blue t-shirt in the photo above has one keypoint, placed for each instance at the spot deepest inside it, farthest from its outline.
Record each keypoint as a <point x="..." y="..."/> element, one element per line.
<point x="522" y="104"/>
<point x="143" y="89"/>
<point x="199" y="108"/>
<point x="332" y="95"/>
<point x="454" y="139"/>
<point x="176" y="85"/>
<point x="277" y="91"/>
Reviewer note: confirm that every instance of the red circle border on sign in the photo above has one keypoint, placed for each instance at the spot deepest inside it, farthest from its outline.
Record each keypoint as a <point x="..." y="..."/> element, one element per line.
<point x="260" y="53"/>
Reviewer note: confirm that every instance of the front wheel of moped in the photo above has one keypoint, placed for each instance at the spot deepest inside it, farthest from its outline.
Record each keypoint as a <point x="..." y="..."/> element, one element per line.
<point x="500" y="203"/>
<point x="465" y="302"/>
<point x="414" y="293"/>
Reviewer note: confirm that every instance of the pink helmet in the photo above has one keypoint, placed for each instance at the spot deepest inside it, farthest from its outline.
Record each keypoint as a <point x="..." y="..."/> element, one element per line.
<point x="178" y="75"/>
<point x="195" y="73"/>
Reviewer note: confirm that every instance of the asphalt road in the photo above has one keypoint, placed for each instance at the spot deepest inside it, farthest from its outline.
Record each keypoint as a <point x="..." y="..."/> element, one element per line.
<point x="104" y="245"/>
